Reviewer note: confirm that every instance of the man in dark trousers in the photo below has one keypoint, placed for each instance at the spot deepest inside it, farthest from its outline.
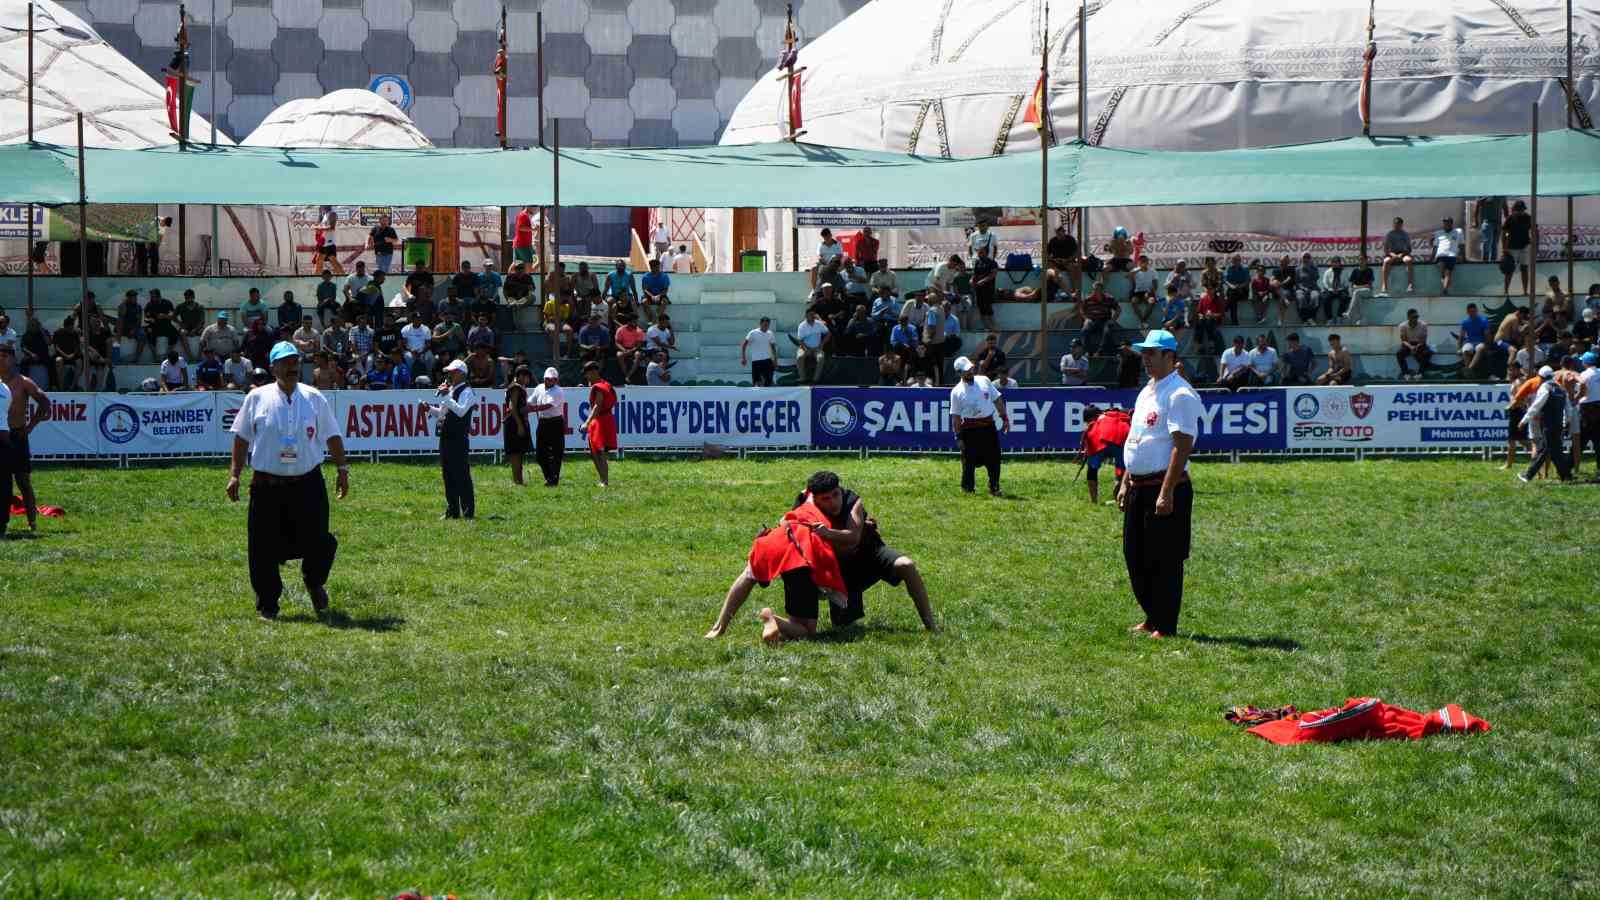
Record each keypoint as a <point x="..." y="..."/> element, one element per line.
<point x="548" y="404"/>
<point x="974" y="405"/>
<point x="284" y="430"/>
<point x="1548" y="415"/>
<point x="1154" y="494"/>
<point x="454" y="409"/>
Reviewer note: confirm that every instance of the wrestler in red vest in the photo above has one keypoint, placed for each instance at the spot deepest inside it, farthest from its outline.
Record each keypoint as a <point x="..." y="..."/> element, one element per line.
<point x="601" y="426"/>
<point x="1107" y="431"/>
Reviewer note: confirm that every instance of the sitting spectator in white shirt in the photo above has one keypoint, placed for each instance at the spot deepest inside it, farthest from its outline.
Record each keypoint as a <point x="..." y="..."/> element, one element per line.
<point x="1263" y="362"/>
<point x="811" y="342"/>
<point x="174" y="373"/>
<point x="658" y="373"/>
<point x="418" y="339"/>
<point x="1074" y="365"/>
<point x="1234" y="369"/>
<point x="660" y="338"/>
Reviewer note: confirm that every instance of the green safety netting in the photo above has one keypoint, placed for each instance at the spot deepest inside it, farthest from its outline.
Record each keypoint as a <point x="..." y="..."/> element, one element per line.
<point x="791" y="175"/>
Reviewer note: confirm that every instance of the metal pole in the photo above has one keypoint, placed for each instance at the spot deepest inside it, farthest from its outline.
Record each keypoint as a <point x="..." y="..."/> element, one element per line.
<point x="555" y="178"/>
<point x="83" y="255"/>
<point x="544" y="212"/>
<point x="1533" y="205"/>
<point x="1044" y="197"/>
<point x="1083" y="112"/>
<point x="1572" y="99"/>
<point x="215" y="263"/>
<point x="30" y="143"/>
<point x="505" y="250"/>
<point x="1363" y="248"/>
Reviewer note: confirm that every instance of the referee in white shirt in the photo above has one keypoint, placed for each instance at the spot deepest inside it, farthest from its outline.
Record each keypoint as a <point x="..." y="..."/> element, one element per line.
<point x="974" y="404"/>
<point x="1154" y="495"/>
<point x="548" y="403"/>
<point x="284" y="430"/>
<point x="454" y="409"/>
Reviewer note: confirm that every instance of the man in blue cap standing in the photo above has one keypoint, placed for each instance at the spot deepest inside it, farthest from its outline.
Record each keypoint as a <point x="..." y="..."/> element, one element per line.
<point x="284" y="430"/>
<point x="1155" y="495"/>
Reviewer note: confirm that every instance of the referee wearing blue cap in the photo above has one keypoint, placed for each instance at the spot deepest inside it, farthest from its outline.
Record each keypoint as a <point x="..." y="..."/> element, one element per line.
<point x="1154" y="494"/>
<point x="285" y="429"/>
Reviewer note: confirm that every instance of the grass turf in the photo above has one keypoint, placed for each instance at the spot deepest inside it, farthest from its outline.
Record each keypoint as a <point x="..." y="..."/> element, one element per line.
<point x="525" y="704"/>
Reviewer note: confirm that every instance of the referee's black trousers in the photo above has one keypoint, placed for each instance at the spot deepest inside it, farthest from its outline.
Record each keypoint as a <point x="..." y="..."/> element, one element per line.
<point x="980" y="446"/>
<point x="1155" y="547"/>
<point x="1552" y="449"/>
<point x="550" y="445"/>
<point x="453" y="460"/>
<point x="288" y="520"/>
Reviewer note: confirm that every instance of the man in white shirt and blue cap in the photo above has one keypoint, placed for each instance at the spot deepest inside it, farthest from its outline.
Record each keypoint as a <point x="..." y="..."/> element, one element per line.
<point x="284" y="430"/>
<point x="974" y="404"/>
<point x="454" y="409"/>
<point x="1155" y="495"/>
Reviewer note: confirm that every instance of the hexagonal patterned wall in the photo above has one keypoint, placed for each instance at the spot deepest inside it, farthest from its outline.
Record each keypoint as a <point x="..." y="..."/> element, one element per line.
<point x="636" y="72"/>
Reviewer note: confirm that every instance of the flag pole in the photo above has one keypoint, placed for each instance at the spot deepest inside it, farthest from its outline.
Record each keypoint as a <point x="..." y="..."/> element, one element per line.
<point x="181" y="43"/>
<point x="83" y="254"/>
<point x="502" y="74"/>
<point x="1043" y="100"/>
<point x="1083" y="111"/>
<point x="30" y="143"/>
<point x="790" y="40"/>
<point x="215" y="261"/>
<point x="1572" y="99"/>
<point x="1533" y="204"/>
<point x="555" y="245"/>
<point x="1364" y="105"/>
<point x="544" y="212"/>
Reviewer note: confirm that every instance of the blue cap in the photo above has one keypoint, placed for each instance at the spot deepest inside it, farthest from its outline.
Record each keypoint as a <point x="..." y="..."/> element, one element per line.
<point x="1158" y="339"/>
<point x="282" y="350"/>
<point x="1590" y="358"/>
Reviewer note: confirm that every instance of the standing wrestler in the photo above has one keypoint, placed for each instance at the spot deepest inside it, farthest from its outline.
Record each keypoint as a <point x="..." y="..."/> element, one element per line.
<point x="27" y="406"/>
<point x="1154" y="494"/>
<point x="601" y="425"/>
<point x="863" y="558"/>
<point x="518" y="437"/>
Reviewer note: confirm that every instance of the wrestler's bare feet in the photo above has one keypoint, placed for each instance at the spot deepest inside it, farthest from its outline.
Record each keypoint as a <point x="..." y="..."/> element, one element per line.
<point x="1156" y="636"/>
<point x="769" y="626"/>
<point x="716" y="631"/>
<point x="1142" y="626"/>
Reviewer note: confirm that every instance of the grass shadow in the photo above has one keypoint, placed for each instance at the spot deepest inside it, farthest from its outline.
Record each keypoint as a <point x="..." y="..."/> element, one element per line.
<point x="1250" y="643"/>
<point x="335" y="619"/>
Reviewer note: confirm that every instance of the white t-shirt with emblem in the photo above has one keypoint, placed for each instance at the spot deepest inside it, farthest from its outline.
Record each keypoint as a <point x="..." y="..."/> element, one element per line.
<point x="1164" y="408"/>
<point x="974" y="400"/>
<point x="288" y="434"/>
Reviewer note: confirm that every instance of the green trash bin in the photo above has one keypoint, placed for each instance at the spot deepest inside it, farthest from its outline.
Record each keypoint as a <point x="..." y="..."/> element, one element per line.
<point x="753" y="261"/>
<point x="415" y="250"/>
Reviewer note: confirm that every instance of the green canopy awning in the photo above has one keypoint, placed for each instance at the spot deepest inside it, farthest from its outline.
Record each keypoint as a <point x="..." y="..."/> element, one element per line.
<point x="791" y="175"/>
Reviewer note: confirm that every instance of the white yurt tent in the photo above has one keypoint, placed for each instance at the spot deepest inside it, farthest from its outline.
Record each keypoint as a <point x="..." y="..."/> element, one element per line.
<point x="75" y="71"/>
<point x="349" y="118"/>
<point x="947" y="78"/>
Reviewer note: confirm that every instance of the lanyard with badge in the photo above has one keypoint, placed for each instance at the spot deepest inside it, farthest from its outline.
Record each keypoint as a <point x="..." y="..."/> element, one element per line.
<point x="288" y="427"/>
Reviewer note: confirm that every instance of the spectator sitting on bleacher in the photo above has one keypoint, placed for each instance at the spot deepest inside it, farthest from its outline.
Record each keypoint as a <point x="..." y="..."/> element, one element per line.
<point x="904" y="338"/>
<point x="482" y="369"/>
<point x="658" y="373"/>
<point x="236" y="371"/>
<point x="306" y="338"/>
<point x="1555" y="299"/>
<point x="915" y="311"/>
<point x="1146" y="293"/>
<point x="951" y="344"/>
<point x="1360" y="287"/>
<point x="67" y="352"/>
<point x="1307" y="290"/>
<point x="449" y="341"/>
<point x="356" y="281"/>
<point x="191" y="318"/>
<point x="1283" y="286"/>
<point x="1448" y="243"/>
<point x="1120" y="249"/>
<point x="372" y="295"/>
<point x="1413" y="345"/>
<point x="1175" y="312"/>
<point x="594" y="340"/>
<point x="620" y="286"/>
<point x="482" y="304"/>
<point x="812" y="338"/>
<point x="518" y="286"/>
<point x="1235" y="287"/>
<point x="400" y="372"/>
<point x="417" y="338"/>
<point x="328" y="375"/>
<point x="482" y="334"/>
<point x="174" y="373"/>
<point x="655" y="286"/>
<point x="861" y="336"/>
<point x="1263" y="362"/>
<point x="1547" y="333"/>
<point x="385" y="340"/>
<point x="882" y="277"/>
<point x="1181" y="278"/>
<point x="290" y="314"/>
<point x="1509" y="336"/>
<point x="327" y="299"/>
<point x="830" y="307"/>
<point x="362" y="338"/>
<point x="1210" y="279"/>
<point x="885" y="309"/>
<point x="1335" y="287"/>
<point x="1002" y="378"/>
<point x="989" y="358"/>
<point x="660" y="339"/>
<point x="1397" y="249"/>
<point x="130" y="323"/>
<point x="831" y="275"/>
<point x="490" y="280"/>
<point x="36" y="355"/>
<point x="466" y="281"/>
<point x="96" y="351"/>
<point x="1341" y="365"/>
<point x="208" y="374"/>
<point x="630" y="344"/>
<point x="422" y="309"/>
<point x="1208" y="323"/>
<point x="1074" y="365"/>
<point x="1473" y="339"/>
<point x="942" y="281"/>
<point x="381" y="378"/>
<point x="1233" y="371"/>
<point x="855" y="280"/>
<point x="251" y="311"/>
<point x="1586" y="329"/>
<point x="1298" y="363"/>
<point x="8" y="335"/>
<point x="1065" y="269"/>
<point x="1530" y="356"/>
<point x="1262" y="292"/>
<point x="890" y="367"/>
<point x="354" y="306"/>
<point x="160" y="322"/>
<point x="921" y="371"/>
<point x="1100" y="321"/>
<point x="557" y="325"/>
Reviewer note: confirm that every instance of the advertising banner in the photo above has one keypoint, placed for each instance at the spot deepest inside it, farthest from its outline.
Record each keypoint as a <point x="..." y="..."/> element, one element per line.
<point x="14" y="222"/>
<point x="858" y="216"/>
<point x="72" y="428"/>
<point x="1041" y="418"/>
<point x="1398" y="416"/>
<point x="396" y="420"/>
<point x="158" y="423"/>
<point x="664" y="417"/>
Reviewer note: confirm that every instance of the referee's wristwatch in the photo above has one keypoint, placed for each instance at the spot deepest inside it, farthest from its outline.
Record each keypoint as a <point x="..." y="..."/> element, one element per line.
<point x="343" y="470"/>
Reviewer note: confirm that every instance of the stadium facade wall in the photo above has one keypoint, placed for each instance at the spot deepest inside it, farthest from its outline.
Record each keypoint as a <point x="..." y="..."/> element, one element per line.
<point x="87" y="426"/>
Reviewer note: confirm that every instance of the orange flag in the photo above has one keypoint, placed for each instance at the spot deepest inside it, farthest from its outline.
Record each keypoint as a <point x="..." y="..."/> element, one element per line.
<point x="1037" y="105"/>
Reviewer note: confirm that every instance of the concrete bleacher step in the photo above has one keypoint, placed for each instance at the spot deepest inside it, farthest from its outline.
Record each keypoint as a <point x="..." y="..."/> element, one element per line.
<point x="726" y="298"/>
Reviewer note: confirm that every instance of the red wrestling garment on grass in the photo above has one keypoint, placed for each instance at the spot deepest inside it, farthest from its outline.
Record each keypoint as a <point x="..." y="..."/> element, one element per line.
<point x="791" y="545"/>
<point x="1368" y="718"/>
<point x="18" y="508"/>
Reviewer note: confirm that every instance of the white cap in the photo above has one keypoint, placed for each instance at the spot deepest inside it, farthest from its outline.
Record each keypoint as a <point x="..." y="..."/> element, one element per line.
<point x="962" y="364"/>
<point x="1547" y="373"/>
<point x="552" y="373"/>
<point x="456" y="365"/>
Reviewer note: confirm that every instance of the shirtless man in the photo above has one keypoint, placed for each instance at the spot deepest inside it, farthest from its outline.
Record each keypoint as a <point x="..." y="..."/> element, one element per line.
<point x="1521" y="387"/>
<point x="1341" y="365"/>
<point x="326" y="376"/>
<point x="864" y="560"/>
<point x="29" y="405"/>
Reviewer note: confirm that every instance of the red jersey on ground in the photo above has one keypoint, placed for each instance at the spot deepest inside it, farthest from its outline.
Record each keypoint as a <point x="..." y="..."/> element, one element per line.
<point x="1368" y="718"/>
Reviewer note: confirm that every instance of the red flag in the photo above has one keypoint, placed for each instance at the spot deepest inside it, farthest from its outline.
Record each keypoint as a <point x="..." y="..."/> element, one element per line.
<point x="500" y="81"/>
<point x="1037" y="105"/>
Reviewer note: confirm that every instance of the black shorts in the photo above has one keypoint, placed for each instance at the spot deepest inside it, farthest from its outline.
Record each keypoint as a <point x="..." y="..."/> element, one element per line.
<point x="21" y="456"/>
<point x="1514" y="423"/>
<point x="1121" y="264"/>
<point x="1511" y="259"/>
<point x="801" y="598"/>
<point x="163" y="329"/>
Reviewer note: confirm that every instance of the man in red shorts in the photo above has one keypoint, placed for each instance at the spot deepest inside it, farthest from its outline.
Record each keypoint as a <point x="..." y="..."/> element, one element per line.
<point x="601" y="426"/>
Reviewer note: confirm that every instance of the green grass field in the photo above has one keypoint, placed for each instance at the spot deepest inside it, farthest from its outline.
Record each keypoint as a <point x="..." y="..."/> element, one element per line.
<point x="524" y="705"/>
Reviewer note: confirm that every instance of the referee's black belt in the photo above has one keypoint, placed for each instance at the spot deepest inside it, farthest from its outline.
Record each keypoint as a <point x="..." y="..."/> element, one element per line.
<point x="262" y="478"/>
<point x="1155" y="480"/>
